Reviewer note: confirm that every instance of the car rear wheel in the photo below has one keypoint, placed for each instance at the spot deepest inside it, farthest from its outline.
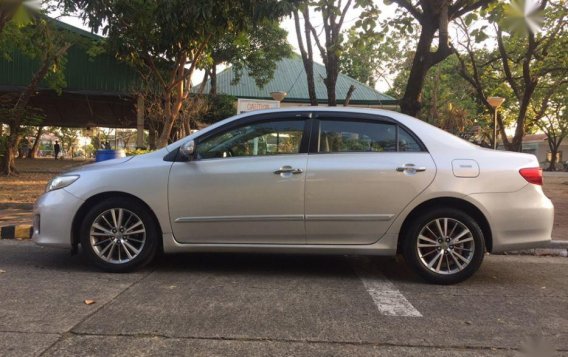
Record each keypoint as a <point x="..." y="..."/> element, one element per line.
<point x="444" y="246"/>
<point x="119" y="235"/>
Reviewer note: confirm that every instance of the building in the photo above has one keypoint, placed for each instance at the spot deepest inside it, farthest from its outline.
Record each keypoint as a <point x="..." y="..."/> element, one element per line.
<point x="537" y="145"/>
<point x="290" y="77"/>
<point x="100" y="90"/>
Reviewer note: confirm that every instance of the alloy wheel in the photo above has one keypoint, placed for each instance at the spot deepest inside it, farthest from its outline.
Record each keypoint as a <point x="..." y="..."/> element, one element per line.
<point x="445" y="246"/>
<point x="117" y="235"/>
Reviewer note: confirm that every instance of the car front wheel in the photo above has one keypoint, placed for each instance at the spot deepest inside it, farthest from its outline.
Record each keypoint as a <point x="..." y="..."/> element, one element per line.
<point x="119" y="235"/>
<point x="444" y="246"/>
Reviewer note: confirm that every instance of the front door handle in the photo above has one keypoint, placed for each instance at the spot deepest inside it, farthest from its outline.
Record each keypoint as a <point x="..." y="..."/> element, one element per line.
<point x="288" y="170"/>
<point x="410" y="168"/>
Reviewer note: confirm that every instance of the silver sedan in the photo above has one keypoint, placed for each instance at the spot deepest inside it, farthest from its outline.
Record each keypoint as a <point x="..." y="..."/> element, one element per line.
<point x="304" y="180"/>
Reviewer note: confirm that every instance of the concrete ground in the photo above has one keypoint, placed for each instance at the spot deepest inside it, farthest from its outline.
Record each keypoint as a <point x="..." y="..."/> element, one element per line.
<point x="264" y="305"/>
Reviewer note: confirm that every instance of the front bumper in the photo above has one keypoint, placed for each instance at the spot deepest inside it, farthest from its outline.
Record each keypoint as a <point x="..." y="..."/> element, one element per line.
<point x="518" y="220"/>
<point x="53" y="218"/>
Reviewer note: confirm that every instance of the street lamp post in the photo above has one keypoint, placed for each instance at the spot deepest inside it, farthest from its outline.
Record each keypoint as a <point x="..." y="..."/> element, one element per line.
<point x="279" y="95"/>
<point x="495" y="103"/>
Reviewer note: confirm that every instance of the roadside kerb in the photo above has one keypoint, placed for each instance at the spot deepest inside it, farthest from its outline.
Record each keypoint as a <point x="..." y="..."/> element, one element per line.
<point x="556" y="248"/>
<point x="20" y="231"/>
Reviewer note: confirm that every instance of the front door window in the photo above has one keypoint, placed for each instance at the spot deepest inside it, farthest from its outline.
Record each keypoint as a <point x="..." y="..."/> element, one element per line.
<point x="256" y="139"/>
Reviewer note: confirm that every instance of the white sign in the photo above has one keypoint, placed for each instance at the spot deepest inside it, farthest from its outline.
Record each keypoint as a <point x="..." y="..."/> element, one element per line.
<point x="248" y="105"/>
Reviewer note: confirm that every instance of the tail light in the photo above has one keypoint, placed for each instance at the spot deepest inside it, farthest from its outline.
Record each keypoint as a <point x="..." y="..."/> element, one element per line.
<point x="532" y="175"/>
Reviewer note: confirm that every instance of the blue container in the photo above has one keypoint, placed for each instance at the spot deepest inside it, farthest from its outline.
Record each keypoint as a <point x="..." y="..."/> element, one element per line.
<point x="106" y="154"/>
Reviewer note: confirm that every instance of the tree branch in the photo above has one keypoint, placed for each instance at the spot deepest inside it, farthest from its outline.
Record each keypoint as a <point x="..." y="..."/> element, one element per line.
<point x="455" y="11"/>
<point x="150" y="63"/>
<point x="505" y="62"/>
<point x="416" y="13"/>
<point x="343" y="13"/>
<point x="322" y="50"/>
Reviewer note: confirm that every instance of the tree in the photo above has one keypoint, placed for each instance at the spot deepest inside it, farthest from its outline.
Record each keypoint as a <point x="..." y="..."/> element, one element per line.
<point x="39" y="41"/>
<point x="306" y="51"/>
<point x="35" y="147"/>
<point x="555" y="124"/>
<point x="448" y="101"/>
<point x="68" y="137"/>
<point x="331" y="48"/>
<point x="170" y="39"/>
<point x="530" y="63"/>
<point x="257" y="48"/>
<point x="361" y="59"/>
<point x="434" y="17"/>
<point x="12" y="10"/>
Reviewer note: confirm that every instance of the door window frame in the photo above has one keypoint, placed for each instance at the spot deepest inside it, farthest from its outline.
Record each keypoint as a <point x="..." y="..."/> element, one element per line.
<point x="361" y="118"/>
<point x="254" y="119"/>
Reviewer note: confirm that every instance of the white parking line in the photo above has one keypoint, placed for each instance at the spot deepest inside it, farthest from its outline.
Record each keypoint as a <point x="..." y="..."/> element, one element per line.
<point x="388" y="299"/>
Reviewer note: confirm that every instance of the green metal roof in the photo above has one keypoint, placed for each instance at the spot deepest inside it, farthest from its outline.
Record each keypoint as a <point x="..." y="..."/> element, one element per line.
<point x="290" y="77"/>
<point x="102" y="74"/>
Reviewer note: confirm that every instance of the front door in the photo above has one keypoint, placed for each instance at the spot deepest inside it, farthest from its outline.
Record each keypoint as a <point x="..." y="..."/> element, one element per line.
<point x="246" y="185"/>
<point x="361" y="174"/>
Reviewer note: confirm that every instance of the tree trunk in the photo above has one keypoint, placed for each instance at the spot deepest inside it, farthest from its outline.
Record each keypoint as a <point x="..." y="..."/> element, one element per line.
<point x="411" y="102"/>
<point x="8" y="166"/>
<point x="171" y="110"/>
<point x="331" y="79"/>
<point x="152" y="139"/>
<point x="517" y="142"/>
<point x="349" y="94"/>
<point x="307" y="55"/>
<point x="9" y="159"/>
<point x="554" y="146"/>
<point x="434" y="117"/>
<point x="213" y="87"/>
<point x="32" y="153"/>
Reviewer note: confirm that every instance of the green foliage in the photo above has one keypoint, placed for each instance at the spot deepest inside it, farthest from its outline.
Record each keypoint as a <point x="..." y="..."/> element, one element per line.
<point x="449" y="102"/>
<point x="40" y="41"/>
<point x="256" y="48"/>
<point x="137" y="152"/>
<point x="529" y="67"/>
<point x="370" y="56"/>
<point x="218" y="107"/>
<point x="29" y="115"/>
<point x="168" y="40"/>
<point x="67" y="136"/>
<point x="137" y="29"/>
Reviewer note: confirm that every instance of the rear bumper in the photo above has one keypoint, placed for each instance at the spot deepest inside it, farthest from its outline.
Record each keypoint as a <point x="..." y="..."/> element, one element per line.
<point x="518" y="220"/>
<point x="53" y="216"/>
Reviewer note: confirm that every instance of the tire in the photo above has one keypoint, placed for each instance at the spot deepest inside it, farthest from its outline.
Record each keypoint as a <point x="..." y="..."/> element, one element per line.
<point x="124" y="247"/>
<point x="444" y="246"/>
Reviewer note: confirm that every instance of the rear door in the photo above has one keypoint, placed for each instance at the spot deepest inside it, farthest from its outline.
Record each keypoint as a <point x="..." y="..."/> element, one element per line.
<point x="362" y="171"/>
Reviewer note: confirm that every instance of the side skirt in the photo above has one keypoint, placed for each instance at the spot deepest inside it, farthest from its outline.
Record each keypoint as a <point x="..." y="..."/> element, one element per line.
<point x="386" y="246"/>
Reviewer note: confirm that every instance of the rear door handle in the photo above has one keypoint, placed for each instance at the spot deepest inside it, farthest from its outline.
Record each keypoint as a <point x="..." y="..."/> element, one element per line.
<point x="288" y="170"/>
<point x="410" y="168"/>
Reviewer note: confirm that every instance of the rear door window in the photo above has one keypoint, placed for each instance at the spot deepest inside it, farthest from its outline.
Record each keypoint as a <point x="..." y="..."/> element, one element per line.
<point x="348" y="135"/>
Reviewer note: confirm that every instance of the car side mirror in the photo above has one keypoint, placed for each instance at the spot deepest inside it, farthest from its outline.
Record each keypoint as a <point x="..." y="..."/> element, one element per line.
<point x="187" y="149"/>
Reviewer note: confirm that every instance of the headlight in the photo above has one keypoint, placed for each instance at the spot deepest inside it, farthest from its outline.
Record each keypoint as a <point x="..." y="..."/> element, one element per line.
<point x="60" y="182"/>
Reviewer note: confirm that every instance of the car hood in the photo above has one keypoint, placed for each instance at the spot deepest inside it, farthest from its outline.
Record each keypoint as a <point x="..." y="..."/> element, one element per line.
<point x="101" y="164"/>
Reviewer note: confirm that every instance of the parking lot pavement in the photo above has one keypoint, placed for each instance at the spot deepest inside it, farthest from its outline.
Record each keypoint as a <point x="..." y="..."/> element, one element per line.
<point x="219" y="304"/>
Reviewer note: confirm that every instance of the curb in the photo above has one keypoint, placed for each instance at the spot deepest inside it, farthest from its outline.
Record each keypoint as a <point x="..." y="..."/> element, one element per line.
<point x="21" y="231"/>
<point x="556" y="248"/>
